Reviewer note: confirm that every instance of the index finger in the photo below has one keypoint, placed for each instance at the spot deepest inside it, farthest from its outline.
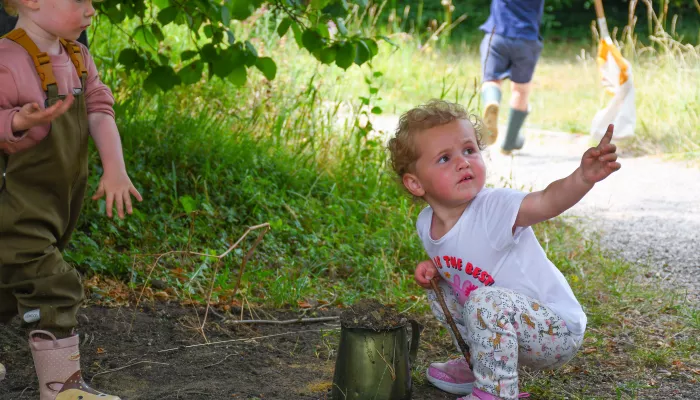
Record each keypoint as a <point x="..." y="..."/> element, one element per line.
<point x="608" y="136"/>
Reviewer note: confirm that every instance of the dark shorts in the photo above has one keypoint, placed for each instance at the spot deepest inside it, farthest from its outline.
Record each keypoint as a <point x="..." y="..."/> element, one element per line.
<point x="506" y="57"/>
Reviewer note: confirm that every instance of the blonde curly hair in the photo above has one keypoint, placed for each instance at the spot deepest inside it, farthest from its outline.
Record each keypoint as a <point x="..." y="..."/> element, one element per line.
<point x="9" y="7"/>
<point x="434" y="113"/>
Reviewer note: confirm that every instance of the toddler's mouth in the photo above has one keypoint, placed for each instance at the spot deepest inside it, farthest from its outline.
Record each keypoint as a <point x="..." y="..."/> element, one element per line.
<point x="465" y="179"/>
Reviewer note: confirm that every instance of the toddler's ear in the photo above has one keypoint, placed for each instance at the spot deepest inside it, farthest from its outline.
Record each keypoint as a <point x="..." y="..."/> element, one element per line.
<point x="413" y="185"/>
<point x="31" y="4"/>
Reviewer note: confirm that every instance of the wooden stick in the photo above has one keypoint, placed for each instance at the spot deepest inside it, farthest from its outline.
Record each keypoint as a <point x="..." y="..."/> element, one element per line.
<point x="451" y="322"/>
<point x="285" y="322"/>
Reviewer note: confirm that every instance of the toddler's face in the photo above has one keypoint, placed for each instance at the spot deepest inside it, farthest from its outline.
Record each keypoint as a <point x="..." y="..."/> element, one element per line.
<point x="66" y="19"/>
<point x="450" y="170"/>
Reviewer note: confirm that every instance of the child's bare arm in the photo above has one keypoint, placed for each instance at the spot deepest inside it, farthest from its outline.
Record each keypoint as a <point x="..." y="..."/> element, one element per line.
<point x="597" y="164"/>
<point x="115" y="183"/>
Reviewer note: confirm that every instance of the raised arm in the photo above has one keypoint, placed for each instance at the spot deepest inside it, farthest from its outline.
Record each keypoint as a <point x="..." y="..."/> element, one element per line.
<point x="597" y="164"/>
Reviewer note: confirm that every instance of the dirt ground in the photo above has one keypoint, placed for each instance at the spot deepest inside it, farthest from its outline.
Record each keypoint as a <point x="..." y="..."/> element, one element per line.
<point x="151" y="358"/>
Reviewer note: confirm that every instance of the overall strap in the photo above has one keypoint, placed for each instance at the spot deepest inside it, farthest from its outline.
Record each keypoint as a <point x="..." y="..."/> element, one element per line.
<point x="42" y="61"/>
<point x="76" y="56"/>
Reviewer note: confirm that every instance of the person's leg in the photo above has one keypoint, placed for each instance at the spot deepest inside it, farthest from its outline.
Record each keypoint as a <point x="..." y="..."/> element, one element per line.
<point x="507" y="328"/>
<point x="495" y="66"/>
<point x="525" y="57"/>
<point x="453" y="376"/>
<point x="519" y="108"/>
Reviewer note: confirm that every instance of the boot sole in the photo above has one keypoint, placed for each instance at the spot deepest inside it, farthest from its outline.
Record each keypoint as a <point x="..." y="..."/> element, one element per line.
<point x="491" y="124"/>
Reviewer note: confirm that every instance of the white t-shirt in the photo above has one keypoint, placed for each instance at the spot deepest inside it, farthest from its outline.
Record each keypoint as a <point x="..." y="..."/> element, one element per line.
<point x="482" y="250"/>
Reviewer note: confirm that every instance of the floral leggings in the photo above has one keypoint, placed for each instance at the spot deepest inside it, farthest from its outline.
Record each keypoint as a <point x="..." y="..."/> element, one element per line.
<point x="504" y="328"/>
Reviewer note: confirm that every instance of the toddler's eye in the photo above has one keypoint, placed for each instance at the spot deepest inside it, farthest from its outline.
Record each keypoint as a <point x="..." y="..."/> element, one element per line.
<point x="469" y="150"/>
<point x="443" y="159"/>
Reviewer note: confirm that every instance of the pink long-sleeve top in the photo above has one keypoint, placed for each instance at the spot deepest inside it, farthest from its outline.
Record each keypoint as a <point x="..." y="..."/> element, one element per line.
<point x="20" y="85"/>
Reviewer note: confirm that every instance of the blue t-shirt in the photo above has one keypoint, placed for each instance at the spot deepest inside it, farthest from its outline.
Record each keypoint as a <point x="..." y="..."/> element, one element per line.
<point x="519" y="19"/>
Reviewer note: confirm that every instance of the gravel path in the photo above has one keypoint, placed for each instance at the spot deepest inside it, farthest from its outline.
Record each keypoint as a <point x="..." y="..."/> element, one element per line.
<point x="648" y="212"/>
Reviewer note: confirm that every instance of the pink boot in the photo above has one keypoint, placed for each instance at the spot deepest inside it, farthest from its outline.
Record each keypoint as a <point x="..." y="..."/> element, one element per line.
<point x="57" y="364"/>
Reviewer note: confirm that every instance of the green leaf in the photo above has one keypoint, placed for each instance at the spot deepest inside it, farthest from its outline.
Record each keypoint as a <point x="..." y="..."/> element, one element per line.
<point x="328" y="55"/>
<point x="311" y="40"/>
<point x="157" y="32"/>
<point x="238" y="76"/>
<point x="222" y="67"/>
<point x="345" y="55"/>
<point x="161" y="4"/>
<point x="225" y="16"/>
<point x="376" y="110"/>
<point x="251" y="48"/>
<point x="191" y="73"/>
<point x="188" y="55"/>
<point x="283" y="27"/>
<point x="240" y="9"/>
<point x="373" y="48"/>
<point x="319" y="4"/>
<point x="297" y="34"/>
<point x="267" y="67"/>
<point x="208" y="31"/>
<point x="362" y="54"/>
<point x="129" y="57"/>
<point x="144" y="37"/>
<point x="163" y="77"/>
<point x="168" y="15"/>
<point x="209" y="53"/>
<point x="338" y="8"/>
<point x="188" y="204"/>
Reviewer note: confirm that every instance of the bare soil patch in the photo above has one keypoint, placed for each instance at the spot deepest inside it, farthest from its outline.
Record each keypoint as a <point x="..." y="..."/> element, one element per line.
<point x="157" y="353"/>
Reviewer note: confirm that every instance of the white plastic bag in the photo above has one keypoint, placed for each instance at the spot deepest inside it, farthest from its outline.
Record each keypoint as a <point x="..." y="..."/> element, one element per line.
<point x="616" y="75"/>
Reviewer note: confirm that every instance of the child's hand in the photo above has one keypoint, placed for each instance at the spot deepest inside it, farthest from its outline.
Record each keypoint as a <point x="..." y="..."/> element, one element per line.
<point x="118" y="189"/>
<point x="31" y="115"/>
<point x="425" y="272"/>
<point x="600" y="162"/>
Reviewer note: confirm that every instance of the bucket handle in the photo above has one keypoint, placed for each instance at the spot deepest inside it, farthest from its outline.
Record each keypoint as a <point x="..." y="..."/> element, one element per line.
<point x="415" y="339"/>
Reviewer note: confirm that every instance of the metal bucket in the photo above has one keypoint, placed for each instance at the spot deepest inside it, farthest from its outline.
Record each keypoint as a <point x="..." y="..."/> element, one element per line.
<point x="375" y="365"/>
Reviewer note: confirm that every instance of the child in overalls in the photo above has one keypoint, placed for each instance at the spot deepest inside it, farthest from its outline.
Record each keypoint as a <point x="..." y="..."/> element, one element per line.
<point x="51" y="101"/>
<point x="510" y="303"/>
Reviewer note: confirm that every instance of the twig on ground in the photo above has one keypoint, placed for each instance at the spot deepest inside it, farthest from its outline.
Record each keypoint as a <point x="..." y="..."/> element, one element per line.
<point x="243" y="339"/>
<point x="109" y="371"/>
<point x="284" y="322"/>
<point x="219" y="257"/>
<point x="217" y="363"/>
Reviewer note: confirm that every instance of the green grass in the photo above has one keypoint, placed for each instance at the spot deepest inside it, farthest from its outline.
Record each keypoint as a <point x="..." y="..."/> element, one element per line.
<point x="214" y="159"/>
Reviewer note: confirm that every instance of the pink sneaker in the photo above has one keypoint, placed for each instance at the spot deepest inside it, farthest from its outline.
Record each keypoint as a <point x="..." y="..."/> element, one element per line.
<point x="478" y="394"/>
<point x="453" y="376"/>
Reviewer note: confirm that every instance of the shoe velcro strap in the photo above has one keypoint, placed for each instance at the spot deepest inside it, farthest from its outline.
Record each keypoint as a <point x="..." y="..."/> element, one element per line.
<point x="42" y="61"/>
